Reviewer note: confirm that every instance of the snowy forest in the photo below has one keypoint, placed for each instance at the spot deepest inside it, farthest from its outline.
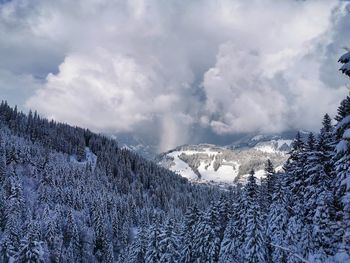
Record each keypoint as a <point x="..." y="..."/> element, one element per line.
<point x="70" y="195"/>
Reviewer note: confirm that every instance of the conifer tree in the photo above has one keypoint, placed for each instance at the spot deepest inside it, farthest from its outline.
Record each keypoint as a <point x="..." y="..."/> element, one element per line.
<point x="11" y="238"/>
<point x="206" y="245"/>
<point x="168" y="244"/>
<point x="101" y="244"/>
<point x="3" y="171"/>
<point x="322" y="233"/>
<point x="270" y="172"/>
<point x="345" y="60"/>
<point x="138" y="248"/>
<point x="153" y="253"/>
<point x="190" y="219"/>
<point x="277" y="221"/>
<point x="31" y="248"/>
<point x="255" y="246"/>
<point x="342" y="164"/>
<point x="233" y="241"/>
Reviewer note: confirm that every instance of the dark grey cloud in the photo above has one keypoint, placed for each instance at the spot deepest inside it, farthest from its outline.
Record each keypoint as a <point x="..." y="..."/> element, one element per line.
<point x="174" y="71"/>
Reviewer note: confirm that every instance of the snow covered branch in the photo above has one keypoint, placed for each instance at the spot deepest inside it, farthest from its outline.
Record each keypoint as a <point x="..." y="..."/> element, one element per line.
<point x="291" y="252"/>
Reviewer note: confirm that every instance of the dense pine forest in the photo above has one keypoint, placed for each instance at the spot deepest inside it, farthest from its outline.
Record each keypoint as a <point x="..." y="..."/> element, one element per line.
<point x="70" y="195"/>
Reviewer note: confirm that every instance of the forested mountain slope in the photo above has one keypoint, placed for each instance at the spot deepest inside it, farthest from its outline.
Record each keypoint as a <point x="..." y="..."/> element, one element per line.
<point x="68" y="194"/>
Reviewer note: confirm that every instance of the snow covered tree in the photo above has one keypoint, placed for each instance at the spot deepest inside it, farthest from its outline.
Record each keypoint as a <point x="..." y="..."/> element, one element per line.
<point x="206" y="244"/>
<point x="153" y="253"/>
<point x="168" y="244"/>
<point x="277" y="221"/>
<point x="266" y="190"/>
<point x="2" y="161"/>
<point x="342" y="163"/>
<point x="101" y="243"/>
<point x="345" y="60"/>
<point x="190" y="219"/>
<point x="11" y="238"/>
<point x="322" y="232"/>
<point x="69" y="228"/>
<point x="81" y="151"/>
<point x="255" y="246"/>
<point x="31" y="248"/>
<point x="85" y="207"/>
<point x="138" y="247"/>
<point x="295" y="168"/>
<point x="53" y="240"/>
<point x="234" y="236"/>
<point x="270" y="172"/>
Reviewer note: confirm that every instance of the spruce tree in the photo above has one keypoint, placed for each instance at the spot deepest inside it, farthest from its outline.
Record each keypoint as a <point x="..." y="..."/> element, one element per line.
<point x="232" y="245"/>
<point x="270" y="172"/>
<point x="31" y="248"/>
<point x="153" y="253"/>
<point x="345" y="60"/>
<point x="342" y="165"/>
<point x="187" y="254"/>
<point x="322" y="227"/>
<point x="3" y="171"/>
<point x="204" y="239"/>
<point x="255" y="246"/>
<point x="277" y="221"/>
<point x="168" y="244"/>
<point x="138" y="248"/>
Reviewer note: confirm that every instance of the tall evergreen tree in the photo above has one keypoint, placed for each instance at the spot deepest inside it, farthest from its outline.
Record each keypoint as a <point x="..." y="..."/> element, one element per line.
<point x="232" y="245"/>
<point x="168" y="244"/>
<point x="270" y="172"/>
<point x="153" y="253"/>
<point x="138" y="248"/>
<point x="345" y="60"/>
<point x="2" y="161"/>
<point x="188" y="230"/>
<point x="31" y="249"/>
<point x="342" y="164"/>
<point x="206" y="245"/>
<point x="255" y="246"/>
<point x="277" y="221"/>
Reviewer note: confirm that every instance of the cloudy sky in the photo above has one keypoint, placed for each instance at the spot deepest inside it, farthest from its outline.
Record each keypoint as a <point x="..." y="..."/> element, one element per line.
<point x="175" y="71"/>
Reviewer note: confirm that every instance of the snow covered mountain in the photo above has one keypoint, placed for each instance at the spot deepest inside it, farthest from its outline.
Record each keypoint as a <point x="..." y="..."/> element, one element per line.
<point x="146" y="148"/>
<point x="207" y="163"/>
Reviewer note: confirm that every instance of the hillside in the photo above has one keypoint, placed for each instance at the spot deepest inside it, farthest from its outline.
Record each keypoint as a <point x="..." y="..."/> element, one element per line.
<point x="67" y="193"/>
<point x="205" y="163"/>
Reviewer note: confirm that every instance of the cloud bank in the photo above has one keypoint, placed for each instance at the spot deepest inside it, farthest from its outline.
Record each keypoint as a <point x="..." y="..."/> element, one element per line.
<point x="170" y="68"/>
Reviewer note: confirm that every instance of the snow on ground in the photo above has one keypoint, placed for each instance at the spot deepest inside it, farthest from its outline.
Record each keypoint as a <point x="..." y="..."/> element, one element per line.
<point x="342" y="146"/>
<point x="90" y="158"/>
<point x="259" y="174"/>
<point x="227" y="172"/>
<point x="266" y="148"/>
<point x="273" y="146"/>
<point x="207" y="158"/>
<point x="281" y="142"/>
<point x="182" y="167"/>
<point x="257" y="137"/>
<point x="279" y="168"/>
<point x="346" y="134"/>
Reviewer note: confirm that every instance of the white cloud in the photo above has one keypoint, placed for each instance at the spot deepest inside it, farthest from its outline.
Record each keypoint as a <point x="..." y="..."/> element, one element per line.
<point x="104" y="91"/>
<point x="126" y="66"/>
<point x="273" y="82"/>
